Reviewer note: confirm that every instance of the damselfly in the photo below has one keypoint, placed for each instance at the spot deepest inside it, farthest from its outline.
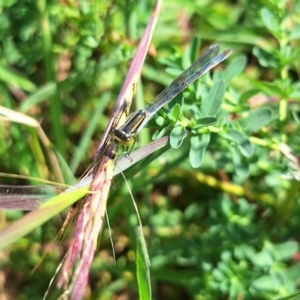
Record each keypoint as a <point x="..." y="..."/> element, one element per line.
<point x="136" y="122"/>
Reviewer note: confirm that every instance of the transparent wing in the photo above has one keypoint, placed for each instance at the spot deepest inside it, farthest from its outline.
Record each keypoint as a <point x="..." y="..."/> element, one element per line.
<point x="204" y="63"/>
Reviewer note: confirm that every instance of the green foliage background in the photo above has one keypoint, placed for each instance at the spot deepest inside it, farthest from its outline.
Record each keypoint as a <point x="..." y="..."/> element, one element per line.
<point x="227" y="229"/>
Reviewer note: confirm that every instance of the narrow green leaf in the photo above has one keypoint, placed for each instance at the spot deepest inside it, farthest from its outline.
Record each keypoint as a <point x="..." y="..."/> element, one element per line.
<point x="90" y="129"/>
<point x="291" y="297"/>
<point x="191" y="52"/>
<point x="143" y="267"/>
<point x="198" y="146"/>
<point x="256" y="119"/>
<point x="296" y="116"/>
<point x="212" y="102"/>
<point x="39" y="216"/>
<point x="41" y="94"/>
<point x="205" y="121"/>
<point x="271" y="89"/>
<point x="12" y="78"/>
<point x="177" y="136"/>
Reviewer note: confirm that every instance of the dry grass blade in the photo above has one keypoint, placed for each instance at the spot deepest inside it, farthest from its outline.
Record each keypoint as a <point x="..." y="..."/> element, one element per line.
<point x="13" y="116"/>
<point x="88" y="227"/>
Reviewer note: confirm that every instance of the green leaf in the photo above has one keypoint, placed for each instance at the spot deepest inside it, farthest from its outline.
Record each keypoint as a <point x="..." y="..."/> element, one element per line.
<point x="270" y="19"/>
<point x="296" y="116"/>
<point x="235" y="68"/>
<point x="175" y="113"/>
<point x="211" y="104"/>
<point x="39" y="216"/>
<point x="271" y="89"/>
<point x="14" y="79"/>
<point x="265" y="286"/>
<point x="295" y="33"/>
<point x="143" y="267"/>
<point x="41" y="94"/>
<point x="177" y="136"/>
<point x="198" y="146"/>
<point x="241" y="140"/>
<point x="265" y="58"/>
<point x="291" y="297"/>
<point x="269" y="286"/>
<point x="241" y="165"/>
<point x="159" y="133"/>
<point x="248" y="94"/>
<point x="191" y="52"/>
<point x="160" y="120"/>
<point x="177" y="101"/>
<point x="256" y="119"/>
<point x="295" y="94"/>
<point x="205" y="121"/>
<point x="286" y="250"/>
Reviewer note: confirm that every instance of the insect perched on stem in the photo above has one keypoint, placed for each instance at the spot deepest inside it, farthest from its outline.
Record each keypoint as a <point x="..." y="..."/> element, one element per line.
<point x="137" y="121"/>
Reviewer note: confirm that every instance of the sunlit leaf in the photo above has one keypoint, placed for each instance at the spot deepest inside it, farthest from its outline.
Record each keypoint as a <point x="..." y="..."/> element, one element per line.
<point x="39" y="216"/>
<point x="198" y="146"/>
<point x="270" y="19"/>
<point x="256" y="119"/>
<point x="234" y="68"/>
<point x="143" y="267"/>
<point x="211" y="104"/>
<point x="177" y="136"/>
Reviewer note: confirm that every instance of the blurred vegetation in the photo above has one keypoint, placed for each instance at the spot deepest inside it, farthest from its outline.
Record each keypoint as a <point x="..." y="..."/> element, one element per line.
<point x="228" y="229"/>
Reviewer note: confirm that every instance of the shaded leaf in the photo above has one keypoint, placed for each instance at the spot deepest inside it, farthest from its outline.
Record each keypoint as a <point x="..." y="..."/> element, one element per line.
<point x="265" y="58"/>
<point x="241" y="165"/>
<point x="205" y="121"/>
<point x="241" y="140"/>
